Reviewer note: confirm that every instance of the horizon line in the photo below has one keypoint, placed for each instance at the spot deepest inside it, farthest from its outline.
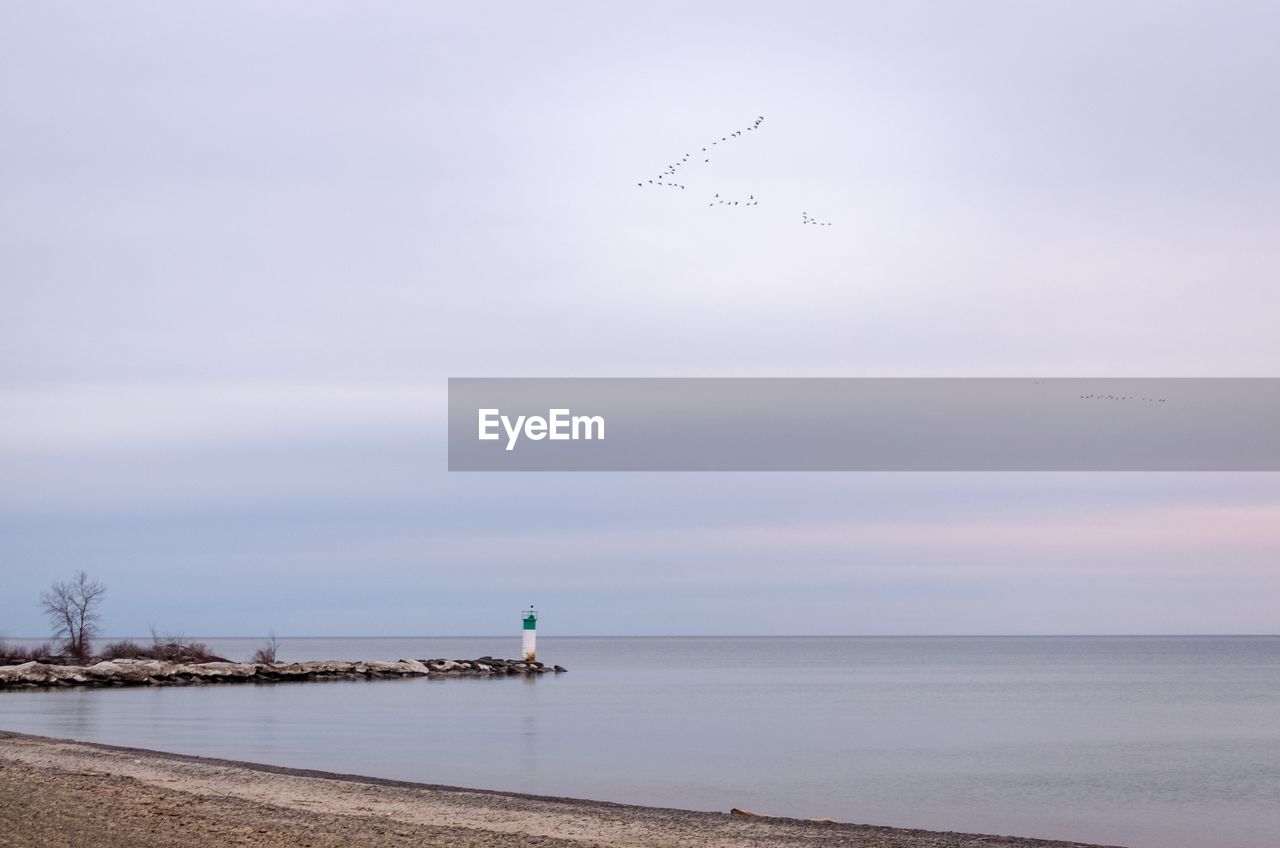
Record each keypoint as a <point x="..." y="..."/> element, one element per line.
<point x="704" y="636"/>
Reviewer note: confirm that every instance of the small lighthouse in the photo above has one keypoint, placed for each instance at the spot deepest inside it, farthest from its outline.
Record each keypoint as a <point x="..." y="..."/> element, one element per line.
<point x="529" y="642"/>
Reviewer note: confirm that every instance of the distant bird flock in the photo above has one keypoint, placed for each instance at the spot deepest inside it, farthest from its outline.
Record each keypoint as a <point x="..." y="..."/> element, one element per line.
<point x="1121" y="397"/>
<point x="720" y="201"/>
<point x="667" y="177"/>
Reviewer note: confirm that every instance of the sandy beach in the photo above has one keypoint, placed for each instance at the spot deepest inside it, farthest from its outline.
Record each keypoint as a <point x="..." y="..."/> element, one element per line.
<point x="61" y="793"/>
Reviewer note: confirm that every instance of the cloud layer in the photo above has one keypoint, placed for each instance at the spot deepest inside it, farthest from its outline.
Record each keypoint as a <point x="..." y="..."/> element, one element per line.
<point x="243" y="249"/>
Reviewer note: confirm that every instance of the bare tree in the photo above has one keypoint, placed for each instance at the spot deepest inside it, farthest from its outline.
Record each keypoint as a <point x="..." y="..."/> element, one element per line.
<point x="72" y="608"/>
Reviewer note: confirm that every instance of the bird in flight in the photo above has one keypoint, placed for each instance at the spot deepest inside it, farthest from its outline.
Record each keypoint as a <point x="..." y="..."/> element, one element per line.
<point x="672" y="169"/>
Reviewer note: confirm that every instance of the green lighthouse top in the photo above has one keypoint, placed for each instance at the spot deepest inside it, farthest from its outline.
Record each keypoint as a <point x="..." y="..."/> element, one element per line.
<point x="530" y="618"/>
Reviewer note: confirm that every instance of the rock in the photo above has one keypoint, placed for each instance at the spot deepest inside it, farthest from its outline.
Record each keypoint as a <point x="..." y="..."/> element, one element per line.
<point x="414" y="666"/>
<point x="139" y="672"/>
<point x="559" y="669"/>
<point x="31" y="673"/>
<point x="120" y="671"/>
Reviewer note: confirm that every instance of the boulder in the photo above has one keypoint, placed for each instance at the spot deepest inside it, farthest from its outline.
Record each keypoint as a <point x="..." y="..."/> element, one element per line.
<point x="416" y="667"/>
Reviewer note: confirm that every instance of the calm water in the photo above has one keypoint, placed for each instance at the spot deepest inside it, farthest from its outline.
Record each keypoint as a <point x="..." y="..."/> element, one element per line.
<point x="1148" y="742"/>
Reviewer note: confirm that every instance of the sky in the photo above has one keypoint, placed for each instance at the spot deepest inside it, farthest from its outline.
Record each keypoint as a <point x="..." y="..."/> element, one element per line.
<point x="243" y="247"/>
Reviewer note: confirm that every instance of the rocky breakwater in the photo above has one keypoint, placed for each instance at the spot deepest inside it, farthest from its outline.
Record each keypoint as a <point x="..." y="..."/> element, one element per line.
<point x="31" y="675"/>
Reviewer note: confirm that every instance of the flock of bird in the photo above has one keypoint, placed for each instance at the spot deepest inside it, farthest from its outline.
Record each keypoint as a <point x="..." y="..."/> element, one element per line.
<point x="1121" y="397"/>
<point x="719" y="201"/>
<point x="666" y="179"/>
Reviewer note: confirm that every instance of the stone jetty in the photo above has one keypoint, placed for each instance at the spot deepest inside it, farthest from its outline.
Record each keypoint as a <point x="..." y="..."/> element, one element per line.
<point x="160" y="673"/>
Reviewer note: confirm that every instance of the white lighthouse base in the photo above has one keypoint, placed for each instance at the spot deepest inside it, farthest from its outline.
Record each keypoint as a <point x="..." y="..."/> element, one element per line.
<point x="529" y="645"/>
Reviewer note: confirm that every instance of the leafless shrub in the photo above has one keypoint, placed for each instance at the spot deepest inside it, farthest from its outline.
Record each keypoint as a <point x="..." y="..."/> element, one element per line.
<point x="175" y="649"/>
<point x="266" y="655"/>
<point x="72" y="608"/>
<point x="17" y="654"/>
<point x="168" y="648"/>
<point x="126" y="650"/>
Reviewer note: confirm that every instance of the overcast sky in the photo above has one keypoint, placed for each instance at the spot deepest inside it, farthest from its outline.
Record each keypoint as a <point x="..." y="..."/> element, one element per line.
<point x="243" y="246"/>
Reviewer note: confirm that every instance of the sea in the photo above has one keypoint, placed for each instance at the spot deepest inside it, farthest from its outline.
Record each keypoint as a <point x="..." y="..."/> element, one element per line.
<point x="1151" y="742"/>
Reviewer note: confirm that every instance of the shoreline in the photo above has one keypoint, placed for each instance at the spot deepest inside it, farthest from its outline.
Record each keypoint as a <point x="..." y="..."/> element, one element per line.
<point x="62" y="792"/>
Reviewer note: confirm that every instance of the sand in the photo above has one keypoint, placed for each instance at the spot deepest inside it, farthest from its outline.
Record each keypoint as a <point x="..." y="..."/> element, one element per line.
<point x="61" y="793"/>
